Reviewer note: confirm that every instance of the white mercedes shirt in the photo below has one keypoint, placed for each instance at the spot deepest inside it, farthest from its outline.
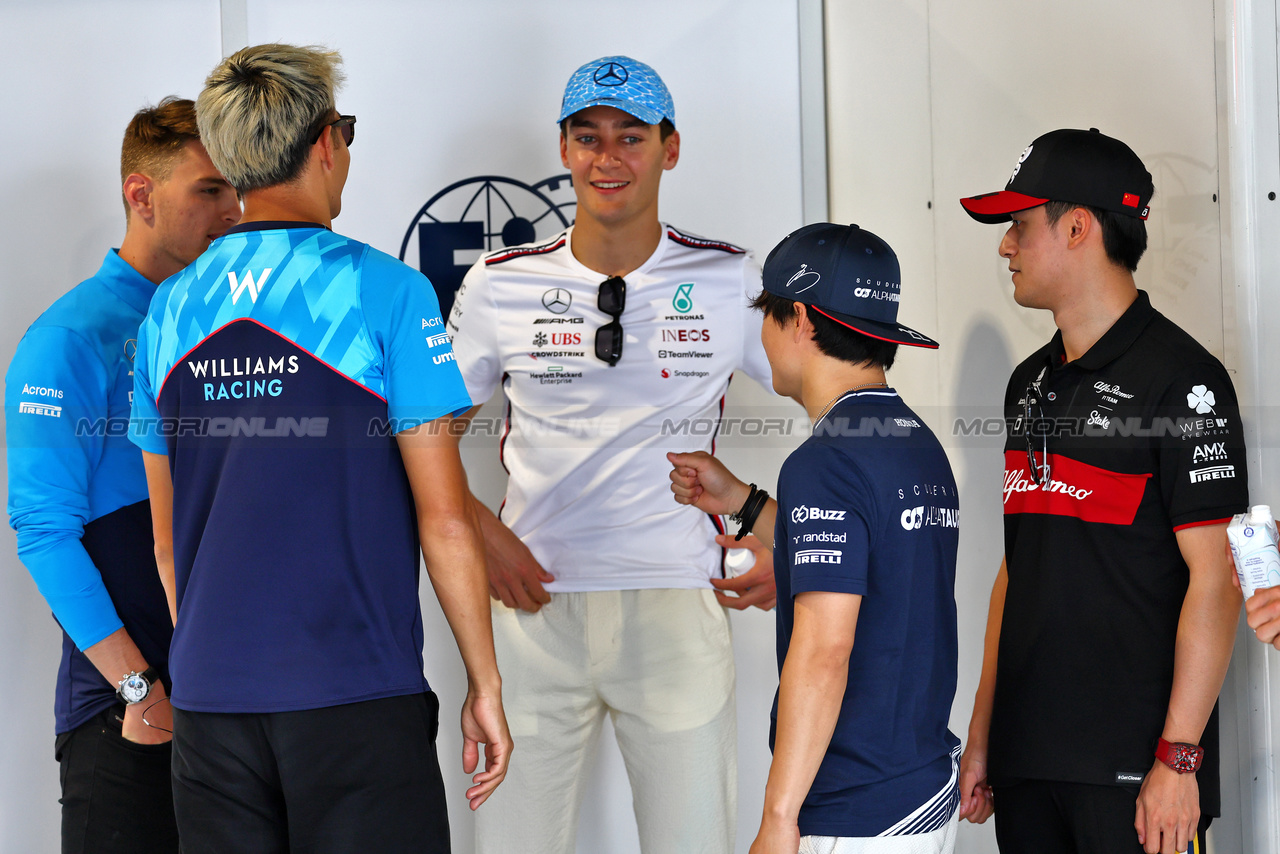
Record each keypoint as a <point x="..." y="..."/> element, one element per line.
<point x="584" y="443"/>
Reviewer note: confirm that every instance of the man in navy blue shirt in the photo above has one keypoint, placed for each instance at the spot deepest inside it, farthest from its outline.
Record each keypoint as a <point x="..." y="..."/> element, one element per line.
<point x="864" y="533"/>
<point x="78" y="495"/>
<point x="293" y="400"/>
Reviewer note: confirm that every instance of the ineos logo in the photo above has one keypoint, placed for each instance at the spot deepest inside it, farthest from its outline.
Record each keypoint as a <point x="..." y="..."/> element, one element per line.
<point x="557" y="300"/>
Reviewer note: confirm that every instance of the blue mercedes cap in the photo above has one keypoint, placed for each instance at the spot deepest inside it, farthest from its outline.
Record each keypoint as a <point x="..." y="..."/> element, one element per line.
<point x="622" y="82"/>
<point x="845" y="273"/>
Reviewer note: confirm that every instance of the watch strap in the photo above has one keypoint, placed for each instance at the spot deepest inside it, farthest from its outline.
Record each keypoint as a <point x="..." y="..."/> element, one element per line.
<point x="151" y="675"/>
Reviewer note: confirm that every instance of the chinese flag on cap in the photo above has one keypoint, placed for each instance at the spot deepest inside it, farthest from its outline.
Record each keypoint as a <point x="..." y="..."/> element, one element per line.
<point x="1130" y="200"/>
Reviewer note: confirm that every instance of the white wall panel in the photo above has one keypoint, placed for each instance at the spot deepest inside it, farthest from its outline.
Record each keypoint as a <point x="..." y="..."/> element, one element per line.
<point x="75" y="73"/>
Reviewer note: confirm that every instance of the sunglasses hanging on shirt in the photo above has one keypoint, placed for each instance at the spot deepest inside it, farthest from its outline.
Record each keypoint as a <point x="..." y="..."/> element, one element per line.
<point x="611" y="300"/>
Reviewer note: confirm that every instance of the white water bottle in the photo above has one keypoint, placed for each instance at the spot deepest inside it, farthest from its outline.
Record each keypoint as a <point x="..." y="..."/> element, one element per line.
<point x="1253" y="541"/>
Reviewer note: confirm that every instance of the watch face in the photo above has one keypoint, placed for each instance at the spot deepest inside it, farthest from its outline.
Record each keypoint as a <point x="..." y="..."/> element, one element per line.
<point x="135" y="689"/>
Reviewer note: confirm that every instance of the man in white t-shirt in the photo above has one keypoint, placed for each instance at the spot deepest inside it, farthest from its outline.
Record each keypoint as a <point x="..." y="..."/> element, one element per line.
<point x="613" y="342"/>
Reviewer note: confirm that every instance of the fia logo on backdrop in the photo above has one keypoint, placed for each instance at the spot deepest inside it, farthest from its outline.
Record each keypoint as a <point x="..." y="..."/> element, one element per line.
<point x="478" y="215"/>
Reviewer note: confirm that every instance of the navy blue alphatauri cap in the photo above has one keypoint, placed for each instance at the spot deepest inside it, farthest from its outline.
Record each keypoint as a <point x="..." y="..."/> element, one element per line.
<point x="621" y="82"/>
<point x="845" y="273"/>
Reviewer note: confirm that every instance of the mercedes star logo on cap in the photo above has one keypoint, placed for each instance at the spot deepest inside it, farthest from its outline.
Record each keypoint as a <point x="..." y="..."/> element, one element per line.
<point x="610" y="74"/>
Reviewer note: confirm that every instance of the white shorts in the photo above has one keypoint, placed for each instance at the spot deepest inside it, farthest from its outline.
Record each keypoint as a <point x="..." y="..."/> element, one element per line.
<point x="660" y="663"/>
<point x="940" y="841"/>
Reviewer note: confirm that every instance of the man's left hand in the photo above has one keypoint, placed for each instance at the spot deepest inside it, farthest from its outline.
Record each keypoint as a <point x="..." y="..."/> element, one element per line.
<point x="1168" y="810"/>
<point x="1262" y="611"/>
<point x="756" y="586"/>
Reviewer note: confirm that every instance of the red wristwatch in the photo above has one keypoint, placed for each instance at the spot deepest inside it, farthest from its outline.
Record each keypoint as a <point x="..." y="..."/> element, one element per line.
<point x="1183" y="758"/>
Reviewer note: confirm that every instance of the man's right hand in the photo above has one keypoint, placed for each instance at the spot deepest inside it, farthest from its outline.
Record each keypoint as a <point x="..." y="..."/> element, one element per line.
<point x="701" y="480"/>
<point x="515" y="576"/>
<point x="1262" y="612"/>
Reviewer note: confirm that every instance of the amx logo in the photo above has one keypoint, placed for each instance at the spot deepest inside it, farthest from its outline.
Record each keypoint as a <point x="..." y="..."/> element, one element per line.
<point x="804" y="276"/>
<point x="804" y="514"/>
<point x="248" y="284"/>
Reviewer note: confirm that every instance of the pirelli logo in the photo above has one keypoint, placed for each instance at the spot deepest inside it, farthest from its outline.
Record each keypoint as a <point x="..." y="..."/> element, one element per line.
<point x="1212" y="473"/>
<point x="40" y="409"/>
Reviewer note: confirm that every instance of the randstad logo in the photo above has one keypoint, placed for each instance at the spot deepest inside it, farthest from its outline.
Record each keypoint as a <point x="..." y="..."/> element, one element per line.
<point x="683" y="300"/>
<point x="247" y="284"/>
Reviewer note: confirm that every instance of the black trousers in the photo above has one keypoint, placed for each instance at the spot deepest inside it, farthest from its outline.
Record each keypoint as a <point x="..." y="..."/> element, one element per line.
<point x="357" y="777"/>
<point x="1040" y="817"/>
<point x="117" y="796"/>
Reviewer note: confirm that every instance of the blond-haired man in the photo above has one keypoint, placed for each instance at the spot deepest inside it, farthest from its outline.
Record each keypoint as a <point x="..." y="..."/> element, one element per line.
<point x="78" y="497"/>
<point x="293" y="403"/>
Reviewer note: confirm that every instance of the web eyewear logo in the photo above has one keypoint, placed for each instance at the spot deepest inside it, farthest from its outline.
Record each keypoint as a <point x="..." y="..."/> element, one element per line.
<point x="1201" y="400"/>
<point x="238" y="288"/>
<point x="803" y="276"/>
<point x="610" y="74"/>
<point x="1017" y="167"/>
<point x="557" y="300"/>
<point x="683" y="300"/>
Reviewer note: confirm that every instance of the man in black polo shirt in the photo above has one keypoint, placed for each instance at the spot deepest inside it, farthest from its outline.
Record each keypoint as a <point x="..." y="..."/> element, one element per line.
<point x="1113" y="615"/>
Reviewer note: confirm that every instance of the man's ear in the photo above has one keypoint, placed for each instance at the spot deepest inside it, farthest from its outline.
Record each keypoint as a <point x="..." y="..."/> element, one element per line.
<point x="671" y="154"/>
<point x="564" y="149"/>
<point x="328" y="149"/>
<point x="1080" y="224"/>
<point x="803" y="329"/>
<point x="138" y="189"/>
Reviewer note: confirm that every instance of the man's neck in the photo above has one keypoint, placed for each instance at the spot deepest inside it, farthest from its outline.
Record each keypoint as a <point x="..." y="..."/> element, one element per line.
<point x="298" y="201"/>
<point x="828" y="379"/>
<point x="142" y="254"/>
<point x="615" y="249"/>
<point x="1093" y="310"/>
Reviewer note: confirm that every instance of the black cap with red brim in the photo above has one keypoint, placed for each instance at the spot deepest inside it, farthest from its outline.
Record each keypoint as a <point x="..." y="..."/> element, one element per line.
<point x="1082" y="167"/>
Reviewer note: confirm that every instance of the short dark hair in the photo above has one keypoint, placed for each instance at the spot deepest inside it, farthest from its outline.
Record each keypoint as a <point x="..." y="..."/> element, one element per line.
<point x="154" y="139"/>
<point x="1123" y="237"/>
<point x="665" y="128"/>
<point x="834" y="339"/>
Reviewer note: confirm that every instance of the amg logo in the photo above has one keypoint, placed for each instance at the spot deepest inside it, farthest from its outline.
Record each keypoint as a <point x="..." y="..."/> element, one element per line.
<point x="1212" y="473"/>
<point x="40" y="409"/>
<point x="248" y="284"/>
<point x="818" y="556"/>
<point x="558" y="320"/>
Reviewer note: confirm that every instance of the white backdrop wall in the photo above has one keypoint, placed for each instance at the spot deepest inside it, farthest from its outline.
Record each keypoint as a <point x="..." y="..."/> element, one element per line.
<point x="444" y="92"/>
<point x="931" y="100"/>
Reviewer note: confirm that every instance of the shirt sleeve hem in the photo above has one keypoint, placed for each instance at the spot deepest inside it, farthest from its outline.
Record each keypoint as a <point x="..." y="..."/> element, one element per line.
<point x="1202" y="523"/>
<point x="828" y="585"/>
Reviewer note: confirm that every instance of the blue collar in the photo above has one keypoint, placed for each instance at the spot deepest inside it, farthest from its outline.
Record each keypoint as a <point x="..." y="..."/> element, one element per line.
<point x="128" y="284"/>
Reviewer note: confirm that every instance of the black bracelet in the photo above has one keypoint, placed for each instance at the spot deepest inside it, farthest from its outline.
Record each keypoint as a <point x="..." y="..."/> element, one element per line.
<point x="742" y="511"/>
<point x="751" y="511"/>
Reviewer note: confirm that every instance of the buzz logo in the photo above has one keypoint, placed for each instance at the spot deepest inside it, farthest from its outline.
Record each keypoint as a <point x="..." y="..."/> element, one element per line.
<point x="440" y="340"/>
<point x="802" y="514"/>
<point x="862" y="293"/>
<point x="913" y="518"/>
<point x="239" y="287"/>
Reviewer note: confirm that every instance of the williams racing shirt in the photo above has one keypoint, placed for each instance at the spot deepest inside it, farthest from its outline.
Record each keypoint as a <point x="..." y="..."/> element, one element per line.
<point x="585" y="443"/>
<point x="274" y="372"/>
<point x="1144" y="440"/>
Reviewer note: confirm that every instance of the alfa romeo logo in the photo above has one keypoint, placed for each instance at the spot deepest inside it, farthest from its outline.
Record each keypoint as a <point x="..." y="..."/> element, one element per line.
<point x="557" y="300"/>
<point x="610" y="74"/>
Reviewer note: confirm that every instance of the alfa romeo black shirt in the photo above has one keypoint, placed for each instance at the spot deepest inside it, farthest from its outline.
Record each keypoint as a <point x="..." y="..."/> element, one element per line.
<point x="1144" y="439"/>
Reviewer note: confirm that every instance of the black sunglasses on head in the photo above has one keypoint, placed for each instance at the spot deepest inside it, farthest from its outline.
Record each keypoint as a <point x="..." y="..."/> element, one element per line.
<point x="1036" y="422"/>
<point x="345" y="124"/>
<point x="611" y="300"/>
